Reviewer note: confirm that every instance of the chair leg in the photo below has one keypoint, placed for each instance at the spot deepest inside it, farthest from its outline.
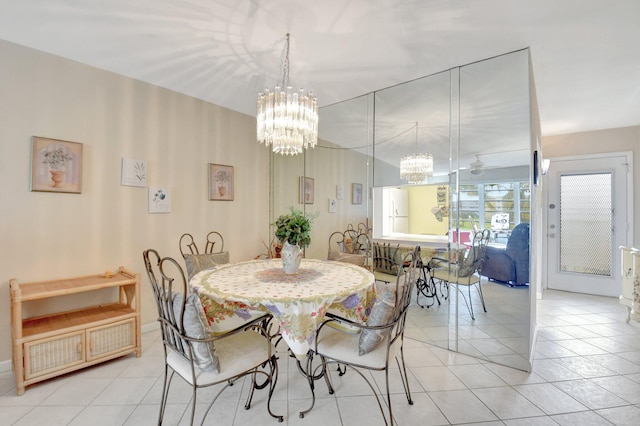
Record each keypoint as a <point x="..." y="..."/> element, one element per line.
<point x="254" y="385"/>
<point x="193" y="404"/>
<point x="165" y="392"/>
<point x="481" y="295"/>
<point x="470" y="303"/>
<point x="403" y="375"/>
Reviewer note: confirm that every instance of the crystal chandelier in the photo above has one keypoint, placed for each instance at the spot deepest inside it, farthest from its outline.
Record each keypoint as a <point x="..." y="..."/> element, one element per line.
<point x="287" y="119"/>
<point x="416" y="168"/>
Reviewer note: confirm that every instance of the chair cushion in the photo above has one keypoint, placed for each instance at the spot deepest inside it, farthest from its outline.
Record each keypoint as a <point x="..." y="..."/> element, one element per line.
<point x="196" y="325"/>
<point x="237" y="353"/>
<point x="381" y="314"/>
<point x="199" y="262"/>
<point x="355" y="259"/>
<point x="341" y="346"/>
<point x="452" y="276"/>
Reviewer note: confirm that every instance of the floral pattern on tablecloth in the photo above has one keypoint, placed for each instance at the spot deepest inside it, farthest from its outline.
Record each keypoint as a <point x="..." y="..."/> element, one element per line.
<point x="298" y="302"/>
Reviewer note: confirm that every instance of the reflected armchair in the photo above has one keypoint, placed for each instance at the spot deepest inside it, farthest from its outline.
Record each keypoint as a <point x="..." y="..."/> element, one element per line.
<point x="510" y="263"/>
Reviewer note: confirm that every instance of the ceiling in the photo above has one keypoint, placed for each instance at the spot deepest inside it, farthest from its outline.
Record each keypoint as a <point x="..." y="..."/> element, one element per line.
<point x="584" y="52"/>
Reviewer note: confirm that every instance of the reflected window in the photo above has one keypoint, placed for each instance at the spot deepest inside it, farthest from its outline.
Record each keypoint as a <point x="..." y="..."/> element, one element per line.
<point x="479" y="203"/>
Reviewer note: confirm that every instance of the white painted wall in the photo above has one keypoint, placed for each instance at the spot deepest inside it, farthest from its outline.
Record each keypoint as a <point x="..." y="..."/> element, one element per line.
<point x="52" y="235"/>
<point x="600" y="141"/>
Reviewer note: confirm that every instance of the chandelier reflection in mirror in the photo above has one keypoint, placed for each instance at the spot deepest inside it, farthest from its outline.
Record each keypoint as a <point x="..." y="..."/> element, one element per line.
<point x="416" y="168"/>
<point x="287" y="119"/>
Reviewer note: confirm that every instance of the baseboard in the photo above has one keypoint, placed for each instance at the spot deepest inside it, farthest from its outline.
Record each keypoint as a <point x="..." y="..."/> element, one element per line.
<point x="152" y="326"/>
<point x="5" y="366"/>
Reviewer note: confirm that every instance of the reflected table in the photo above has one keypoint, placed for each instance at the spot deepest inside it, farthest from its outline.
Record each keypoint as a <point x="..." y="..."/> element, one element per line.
<point x="298" y="302"/>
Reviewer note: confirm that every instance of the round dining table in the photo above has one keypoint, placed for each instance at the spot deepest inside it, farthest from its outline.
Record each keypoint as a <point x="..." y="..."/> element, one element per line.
<point x="298" y="302"/>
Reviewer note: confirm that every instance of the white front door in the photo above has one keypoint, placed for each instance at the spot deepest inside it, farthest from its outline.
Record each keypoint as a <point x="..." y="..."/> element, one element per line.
<point x="587" y="221"/>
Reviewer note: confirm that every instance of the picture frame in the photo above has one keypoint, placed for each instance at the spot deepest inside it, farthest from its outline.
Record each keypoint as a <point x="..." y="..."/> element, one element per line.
<point x="56" y="165"/>
<point x="356" y="193"/>
<point x="333" y="205"/>
<point x="159" y="199"/>
<point x="134" y="172"/>
<point x="307" y="190"/>
<point x="221" y="182"/>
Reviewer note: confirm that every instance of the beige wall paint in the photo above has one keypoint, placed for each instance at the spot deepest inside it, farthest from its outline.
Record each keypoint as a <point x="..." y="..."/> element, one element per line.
<point x="329" y="167"/>
<point x="53" y="235"/>
<point x="601" y="141"/>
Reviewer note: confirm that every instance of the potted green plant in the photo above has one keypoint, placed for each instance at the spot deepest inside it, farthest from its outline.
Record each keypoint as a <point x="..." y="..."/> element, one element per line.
<point x="293" y="230"/>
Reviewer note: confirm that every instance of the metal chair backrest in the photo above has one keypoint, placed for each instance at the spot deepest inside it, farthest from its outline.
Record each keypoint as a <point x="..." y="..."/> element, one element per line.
<point x="475" y="256"/>
<point x="189" y="246"/>
<point x="384" y="258"/>
<point x="406" y="281"/>
<point x="165" y="288"/>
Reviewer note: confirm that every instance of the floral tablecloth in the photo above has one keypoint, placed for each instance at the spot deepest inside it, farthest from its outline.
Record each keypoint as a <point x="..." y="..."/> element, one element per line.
<point x="298" y="302"/>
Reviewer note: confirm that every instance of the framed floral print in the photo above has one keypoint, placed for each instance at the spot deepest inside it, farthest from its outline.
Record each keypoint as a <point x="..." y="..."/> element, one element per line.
<point x="56" y="166"/>
<point x="356" y="193"/>
<point x="159" y="199"/>
<point x="307" y="190"/>
<point x="220" y="182"/>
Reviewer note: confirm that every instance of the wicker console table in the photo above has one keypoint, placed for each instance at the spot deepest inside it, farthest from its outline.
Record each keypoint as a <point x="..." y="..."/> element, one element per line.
<point x="59" y="342"/>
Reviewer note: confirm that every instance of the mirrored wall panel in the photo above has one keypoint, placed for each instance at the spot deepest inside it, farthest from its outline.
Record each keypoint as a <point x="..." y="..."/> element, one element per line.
<point x="473" y="125"/>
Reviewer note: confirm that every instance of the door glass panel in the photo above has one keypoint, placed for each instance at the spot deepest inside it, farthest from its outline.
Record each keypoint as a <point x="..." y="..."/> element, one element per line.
<point x="585" y="223"/>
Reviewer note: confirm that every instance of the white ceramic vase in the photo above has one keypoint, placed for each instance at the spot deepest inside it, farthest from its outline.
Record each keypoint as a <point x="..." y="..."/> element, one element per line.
<point x="291" y="258"/>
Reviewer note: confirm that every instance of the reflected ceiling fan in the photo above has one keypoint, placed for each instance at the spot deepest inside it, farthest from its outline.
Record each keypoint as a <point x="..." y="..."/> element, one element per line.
<point x="476" y="168"/>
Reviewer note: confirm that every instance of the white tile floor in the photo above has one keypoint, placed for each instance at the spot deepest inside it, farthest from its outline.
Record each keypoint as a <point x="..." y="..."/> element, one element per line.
<point x="586" y="372"/>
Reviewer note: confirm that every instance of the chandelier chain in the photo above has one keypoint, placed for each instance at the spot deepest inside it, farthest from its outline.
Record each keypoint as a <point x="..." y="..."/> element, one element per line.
<point x="285" y="65"/>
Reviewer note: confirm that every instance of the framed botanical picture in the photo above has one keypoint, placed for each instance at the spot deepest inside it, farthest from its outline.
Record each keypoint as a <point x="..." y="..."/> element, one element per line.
<point x="56" y="166"/>
<point x="333" y="205"/>
<point x="134" y="172"/>
<point x="159" y="199"/>
<point x="307" y="188"/>
<point x="356" y="193"/>
<point x="220" y="182"/>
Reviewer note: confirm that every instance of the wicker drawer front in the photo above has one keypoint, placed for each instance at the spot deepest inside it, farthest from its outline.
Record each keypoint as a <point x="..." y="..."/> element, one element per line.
<point x="110" y="339"/>
<point x="57" y="353"/>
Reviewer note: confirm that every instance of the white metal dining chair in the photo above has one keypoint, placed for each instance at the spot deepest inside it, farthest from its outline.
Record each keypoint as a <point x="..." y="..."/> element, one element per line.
<point x="377" y="343"/>
<point x="464" y="273"/>
<point x="214" y="253"/>
<point x="194" y="353"/>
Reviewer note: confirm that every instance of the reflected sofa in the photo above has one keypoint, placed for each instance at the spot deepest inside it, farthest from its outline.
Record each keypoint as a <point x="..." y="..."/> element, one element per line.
<point x="510" y="263"/>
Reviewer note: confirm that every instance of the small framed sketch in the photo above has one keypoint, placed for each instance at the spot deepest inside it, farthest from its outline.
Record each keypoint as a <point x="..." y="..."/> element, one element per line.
<point x="134" y="172"/>
<point x="220" y="182"/>
<point x="159" y="200"/>
<point x="307" y="189"/>
<point x="333" y="205"/>
<point x="56" y="166"/>
<point x="356" y="193"/>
